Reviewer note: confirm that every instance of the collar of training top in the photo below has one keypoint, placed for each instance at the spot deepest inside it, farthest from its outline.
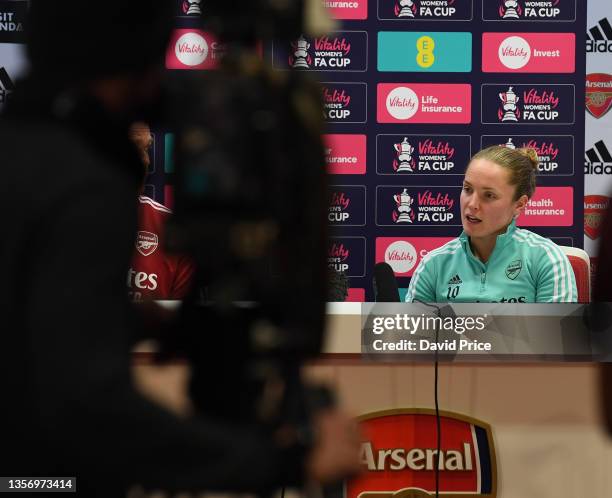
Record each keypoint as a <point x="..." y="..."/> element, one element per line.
<point x="502" y="238"/>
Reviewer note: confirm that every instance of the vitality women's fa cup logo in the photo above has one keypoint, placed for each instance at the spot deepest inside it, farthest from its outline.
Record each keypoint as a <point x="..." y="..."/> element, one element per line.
<point x="510" y="10"/>
<point x="404" y="213"/>
<point x="510" y="110"/>
<point x="300" y="59"/>
<point x="405" y="8"/>
<point x="404" y="161"/>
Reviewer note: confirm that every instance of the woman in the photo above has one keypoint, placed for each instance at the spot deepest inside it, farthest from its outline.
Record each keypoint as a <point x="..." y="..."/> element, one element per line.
<point x="493" y="260"/>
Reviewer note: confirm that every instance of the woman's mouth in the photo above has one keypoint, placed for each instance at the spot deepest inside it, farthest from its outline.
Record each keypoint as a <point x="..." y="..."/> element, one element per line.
<point x="472" y="219"/>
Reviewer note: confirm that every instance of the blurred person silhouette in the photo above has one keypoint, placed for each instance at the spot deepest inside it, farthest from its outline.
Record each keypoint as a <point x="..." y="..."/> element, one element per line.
<point x="600" y="314"/>
<point x="154" y="273"/>
<point x="71" y="178"/>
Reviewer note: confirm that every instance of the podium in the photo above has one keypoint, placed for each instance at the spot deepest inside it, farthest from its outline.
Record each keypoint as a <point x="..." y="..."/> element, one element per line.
<point x="545" y="416"/>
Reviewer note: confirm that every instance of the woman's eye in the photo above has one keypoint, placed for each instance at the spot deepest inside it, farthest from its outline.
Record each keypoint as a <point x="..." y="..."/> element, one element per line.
<point x="466" y="189"/>
<point x="489" y="195"/>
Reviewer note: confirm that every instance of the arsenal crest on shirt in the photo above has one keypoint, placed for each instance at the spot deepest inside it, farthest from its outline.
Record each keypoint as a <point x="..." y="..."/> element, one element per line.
<point x="598" y="94"/>
<point x="146" y="242"/>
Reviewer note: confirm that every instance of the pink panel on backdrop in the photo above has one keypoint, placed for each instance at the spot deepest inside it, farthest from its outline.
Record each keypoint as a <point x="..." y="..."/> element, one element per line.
<point x="424" y="103"/>
<point x="528" y="52"/>
<point x="347" y="10"/>
<point x="345" y="154"/>
<point x="355" y="295"/>
<point x="404" y="254"/>
<point x="549" y="207"/>
<point x="191" y="49"/>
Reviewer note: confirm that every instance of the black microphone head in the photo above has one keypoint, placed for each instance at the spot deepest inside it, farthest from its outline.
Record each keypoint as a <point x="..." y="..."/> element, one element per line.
<point x="385" y="284"/>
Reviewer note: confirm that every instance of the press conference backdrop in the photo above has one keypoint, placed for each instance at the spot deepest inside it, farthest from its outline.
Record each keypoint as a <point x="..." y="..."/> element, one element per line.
<point x="411" y="90"/>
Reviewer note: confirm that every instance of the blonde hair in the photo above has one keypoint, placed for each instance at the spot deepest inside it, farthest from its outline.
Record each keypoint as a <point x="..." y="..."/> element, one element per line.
<point x="522" y="164"/>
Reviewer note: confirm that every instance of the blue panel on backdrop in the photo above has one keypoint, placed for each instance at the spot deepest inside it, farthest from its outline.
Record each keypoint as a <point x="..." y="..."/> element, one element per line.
<point x="426" y="51"/>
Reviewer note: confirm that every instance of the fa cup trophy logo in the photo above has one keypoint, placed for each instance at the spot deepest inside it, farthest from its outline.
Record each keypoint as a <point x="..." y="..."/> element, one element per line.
<point x="509" y="99"/>
<point x="192" y="7"/>
<point x="405" y="8"/>
<point x="403" y="201"/>
<point x="404" y="155"/>
<point x="301" y="58"/>
<point x="509" y="144"/>
<point x="510" y="10"/>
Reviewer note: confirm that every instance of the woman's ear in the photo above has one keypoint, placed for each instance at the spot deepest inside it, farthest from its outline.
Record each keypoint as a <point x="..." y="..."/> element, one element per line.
<point x="520" y="205"/>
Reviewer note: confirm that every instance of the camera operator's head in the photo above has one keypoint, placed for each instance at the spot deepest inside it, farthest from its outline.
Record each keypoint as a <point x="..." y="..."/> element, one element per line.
<point x="112" y="49"/>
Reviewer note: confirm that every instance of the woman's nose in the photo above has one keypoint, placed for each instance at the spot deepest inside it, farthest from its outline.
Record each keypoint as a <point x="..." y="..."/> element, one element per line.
<point x="474" y="202"/>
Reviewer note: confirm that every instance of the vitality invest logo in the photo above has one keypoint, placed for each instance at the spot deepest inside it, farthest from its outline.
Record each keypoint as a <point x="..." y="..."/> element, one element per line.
<point x="528" y="52"/>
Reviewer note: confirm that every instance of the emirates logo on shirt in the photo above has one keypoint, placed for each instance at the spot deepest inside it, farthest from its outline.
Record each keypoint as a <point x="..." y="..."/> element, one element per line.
<point x="146" y="242"/>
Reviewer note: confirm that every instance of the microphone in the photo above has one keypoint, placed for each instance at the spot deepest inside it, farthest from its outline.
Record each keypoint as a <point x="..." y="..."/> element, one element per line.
<point x="385" y="284"/>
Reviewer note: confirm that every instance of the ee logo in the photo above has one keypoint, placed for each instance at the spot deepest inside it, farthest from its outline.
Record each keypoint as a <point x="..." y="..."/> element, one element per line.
<point x="425" y="56"/>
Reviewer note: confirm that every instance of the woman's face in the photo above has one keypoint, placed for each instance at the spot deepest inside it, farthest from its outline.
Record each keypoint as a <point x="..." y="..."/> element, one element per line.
<point x="487" y="205"/>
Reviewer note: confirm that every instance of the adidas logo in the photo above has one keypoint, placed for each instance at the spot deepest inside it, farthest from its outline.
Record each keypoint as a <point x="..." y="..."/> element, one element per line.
<point x="598" y="160"/>
<point x="6" y="86"/>
<point x="456" y="280"/>
<point x="599" y="37"/>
